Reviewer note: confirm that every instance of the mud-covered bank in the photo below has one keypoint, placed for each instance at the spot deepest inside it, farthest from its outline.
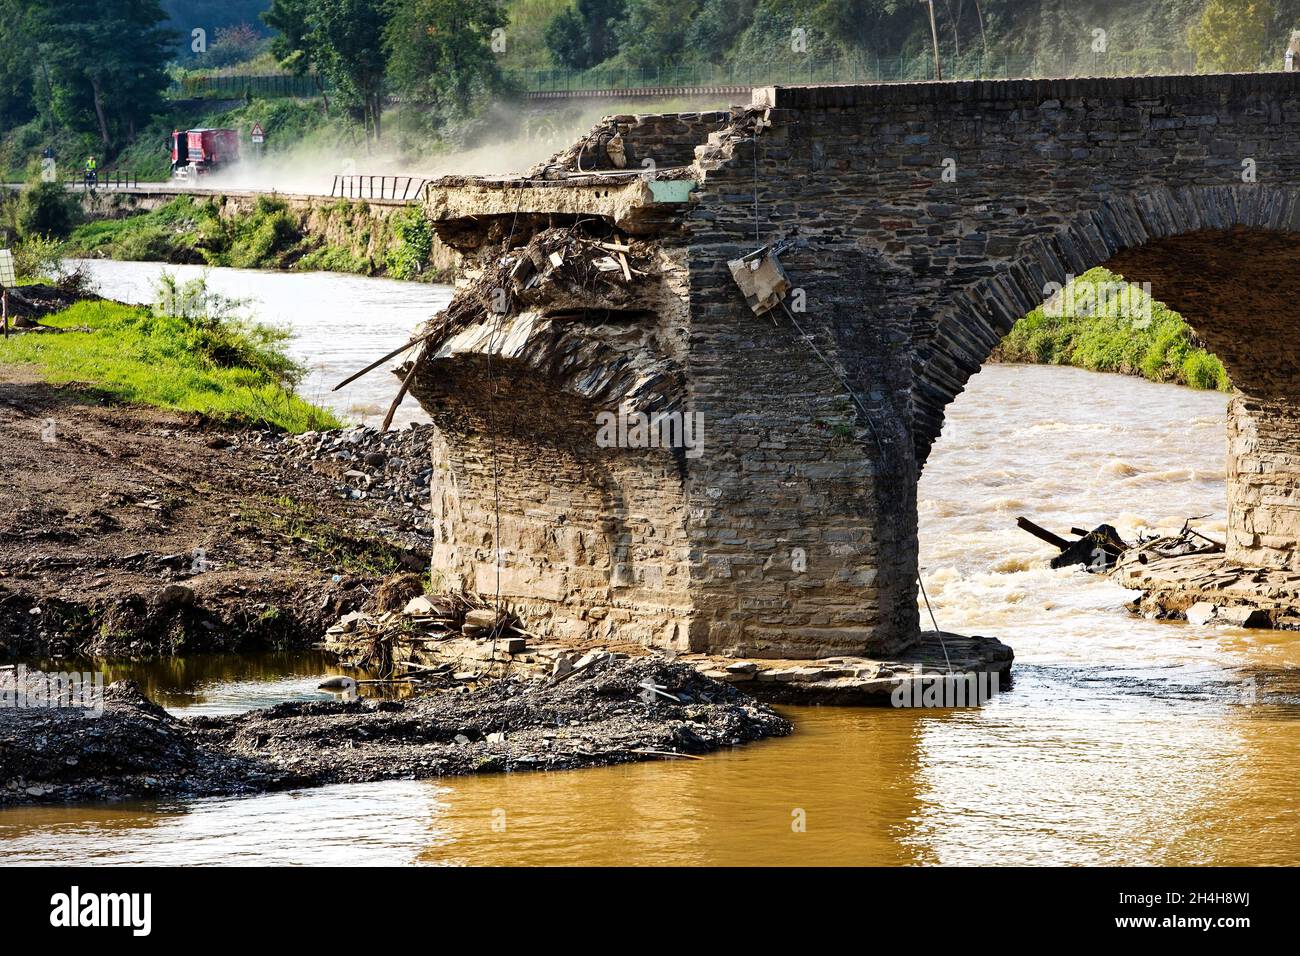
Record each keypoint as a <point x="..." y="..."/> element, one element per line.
<point x="605" y="715"/>
<point x="140" y="532"/>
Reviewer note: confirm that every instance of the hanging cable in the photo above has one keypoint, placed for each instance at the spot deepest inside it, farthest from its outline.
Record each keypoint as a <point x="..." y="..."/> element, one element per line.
<point x="937" y="633"/>
<point x="840" y="377"/>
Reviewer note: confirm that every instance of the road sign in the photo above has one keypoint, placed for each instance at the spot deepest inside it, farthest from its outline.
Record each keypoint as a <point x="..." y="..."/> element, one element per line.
<point x="7" y="277"/>
<point x="258" y="135"/>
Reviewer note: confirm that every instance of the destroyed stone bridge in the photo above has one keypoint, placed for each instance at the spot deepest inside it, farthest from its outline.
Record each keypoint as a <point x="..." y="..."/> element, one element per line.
<point x="913" y="225"/>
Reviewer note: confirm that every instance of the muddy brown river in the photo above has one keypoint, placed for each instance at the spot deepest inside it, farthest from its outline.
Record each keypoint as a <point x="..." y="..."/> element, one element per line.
<point x="1122" y="740"/>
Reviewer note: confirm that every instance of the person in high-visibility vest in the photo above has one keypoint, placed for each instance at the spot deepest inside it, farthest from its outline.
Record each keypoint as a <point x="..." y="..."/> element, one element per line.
<point x="92" y="171"/>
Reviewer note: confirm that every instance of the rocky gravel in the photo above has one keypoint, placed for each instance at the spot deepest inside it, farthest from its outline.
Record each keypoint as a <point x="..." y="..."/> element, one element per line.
<point x="391" y="468"/>
<point x="616" y="711"/>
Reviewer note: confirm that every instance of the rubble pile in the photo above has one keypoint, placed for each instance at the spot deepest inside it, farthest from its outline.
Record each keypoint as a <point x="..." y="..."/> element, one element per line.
<point x="562" y="268"/>
<point x="385" y="466"/>
<point x="389" y="641"/>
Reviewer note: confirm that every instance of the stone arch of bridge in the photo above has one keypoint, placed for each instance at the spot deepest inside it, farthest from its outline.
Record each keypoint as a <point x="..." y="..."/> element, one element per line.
<point x="1227" y="259"/>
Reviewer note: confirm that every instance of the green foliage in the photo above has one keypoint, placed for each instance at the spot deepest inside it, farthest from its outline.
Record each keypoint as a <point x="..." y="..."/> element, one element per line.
<point x="213" y="16"/>
<point x="340" y="39"/>
<point x="440" y="51"/>
<point x="1232" y="36"/>
<point x="258" y="240"/>
<point x="46" y="209"/>
<point x="415" y="233"/>
<point x="17" y="78"/>
<point x="213" y="332"/>
<point x="1161" y="347"/>
<point x="171" y="233"/>
<point x="39" y="258"/>
<point x="104" y="62"/>
<point x="583" y="35"/>
<point x="271" y="235"/>
<point x="138" y="355"/>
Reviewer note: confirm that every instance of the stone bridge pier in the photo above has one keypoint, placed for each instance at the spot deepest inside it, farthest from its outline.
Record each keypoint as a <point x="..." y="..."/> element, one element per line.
<point x="925" y="220"/>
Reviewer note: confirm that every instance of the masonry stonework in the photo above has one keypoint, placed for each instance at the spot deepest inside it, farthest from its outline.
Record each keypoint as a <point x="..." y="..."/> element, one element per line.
<point x="923" y="220"/>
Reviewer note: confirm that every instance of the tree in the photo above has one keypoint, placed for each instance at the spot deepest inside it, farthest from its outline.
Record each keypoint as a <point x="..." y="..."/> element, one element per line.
<point x="1231" y="35"/>
<point x="234" y="44"/>
<point x="104" y="61"/>
<point x="653" y="33"/>
<point x="440" y="51"/>
<point x="350" y="34"/>
<point x="583" y="35"/>
<point x="291" y="45"/>
<point x="16" y="70"/>
<point x="715" y="29"/>
<point x="340" y="39"/>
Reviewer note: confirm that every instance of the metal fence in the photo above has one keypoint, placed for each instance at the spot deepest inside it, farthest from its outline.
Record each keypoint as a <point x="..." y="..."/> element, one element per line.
<point x="397" y="188"/>
<point x="105" y="179"/>
<point x="858" y="69"/>
<point x="855" y="70"/>
<point x="861" y="69"/>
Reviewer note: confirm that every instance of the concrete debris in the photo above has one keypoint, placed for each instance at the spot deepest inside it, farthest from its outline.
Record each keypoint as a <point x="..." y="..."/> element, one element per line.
<point x="390" y="642"/>
<point x="1203" y="587"/>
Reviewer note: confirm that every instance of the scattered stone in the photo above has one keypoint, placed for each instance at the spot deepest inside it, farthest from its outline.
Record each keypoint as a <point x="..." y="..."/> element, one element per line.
<point x="482" y="619"/>
<point x="337" y="683"/>
<point x="1245" y="616"/>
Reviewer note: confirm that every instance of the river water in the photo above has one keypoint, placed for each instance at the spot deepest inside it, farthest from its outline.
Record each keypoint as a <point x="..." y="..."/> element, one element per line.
<point x="1122" y="740"/>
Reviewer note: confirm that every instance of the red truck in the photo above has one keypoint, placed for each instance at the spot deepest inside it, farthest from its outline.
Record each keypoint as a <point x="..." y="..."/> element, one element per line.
<point x="197" y="152"/>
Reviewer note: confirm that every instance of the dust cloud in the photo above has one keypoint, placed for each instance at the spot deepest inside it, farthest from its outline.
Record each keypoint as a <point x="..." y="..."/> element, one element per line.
<point x="510" y="139"/>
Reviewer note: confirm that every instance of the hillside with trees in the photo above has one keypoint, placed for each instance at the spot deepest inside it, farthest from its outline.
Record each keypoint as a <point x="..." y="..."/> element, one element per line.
<point x="105" y="77"/>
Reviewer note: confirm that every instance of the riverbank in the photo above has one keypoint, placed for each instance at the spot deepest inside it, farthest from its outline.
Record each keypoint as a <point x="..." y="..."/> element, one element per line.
<point x="282" y="232"/>
<point x="1102" y="324"/>
<point x="602" y="716"/>
<point x="144" y="532"/>
<point x="180" y="357"/>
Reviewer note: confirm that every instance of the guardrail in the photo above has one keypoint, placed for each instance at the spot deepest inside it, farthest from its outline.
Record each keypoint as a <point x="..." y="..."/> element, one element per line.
<point x="106" y="179"/>
<point x="396" y="188"/>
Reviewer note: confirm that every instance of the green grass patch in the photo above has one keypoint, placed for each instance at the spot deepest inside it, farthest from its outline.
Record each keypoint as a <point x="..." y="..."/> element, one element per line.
<point x="175" y="232"/>
<point x="1091" y="327"/>
<point x="233" y="372"/>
